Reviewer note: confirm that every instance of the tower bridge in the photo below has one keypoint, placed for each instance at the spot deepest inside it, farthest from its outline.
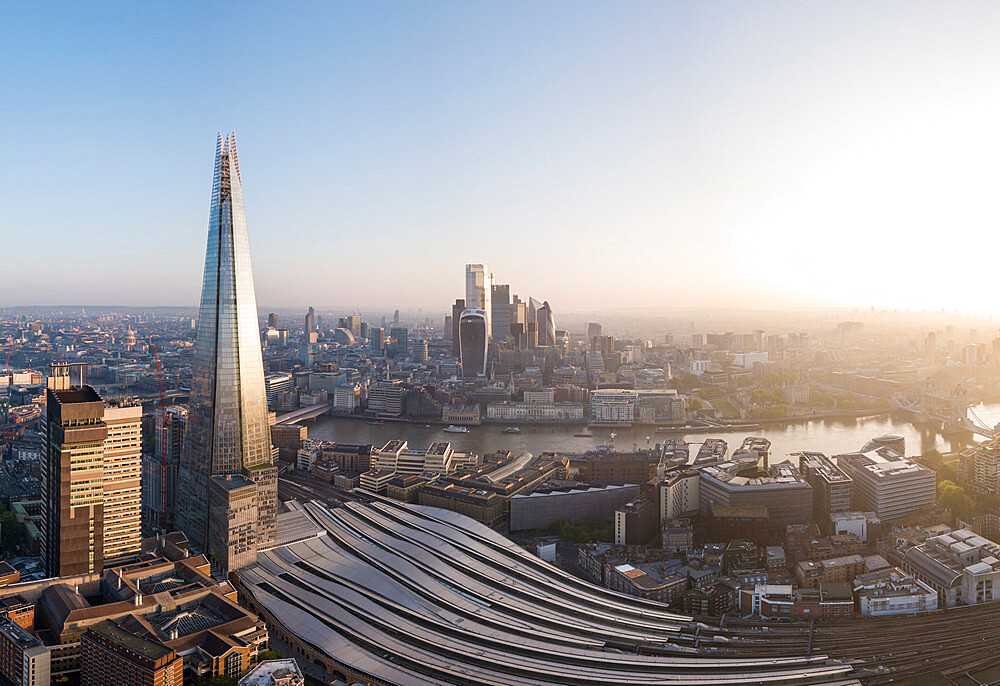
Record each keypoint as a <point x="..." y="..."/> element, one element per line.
<point x="950" y="410"/>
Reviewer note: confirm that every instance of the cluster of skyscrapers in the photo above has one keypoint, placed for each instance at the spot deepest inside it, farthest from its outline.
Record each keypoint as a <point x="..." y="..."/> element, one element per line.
<point x="489" y="315"/>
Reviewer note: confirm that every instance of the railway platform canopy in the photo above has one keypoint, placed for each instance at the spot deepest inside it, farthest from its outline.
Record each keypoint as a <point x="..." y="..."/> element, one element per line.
<point x="393" y="593"/>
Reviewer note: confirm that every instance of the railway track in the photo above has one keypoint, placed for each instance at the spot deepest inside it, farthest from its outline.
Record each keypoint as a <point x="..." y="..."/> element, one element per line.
<point x="883" y="650"/>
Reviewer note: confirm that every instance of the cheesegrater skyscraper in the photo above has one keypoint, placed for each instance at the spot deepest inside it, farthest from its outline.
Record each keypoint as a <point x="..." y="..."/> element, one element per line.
<point x="227" y="490"/>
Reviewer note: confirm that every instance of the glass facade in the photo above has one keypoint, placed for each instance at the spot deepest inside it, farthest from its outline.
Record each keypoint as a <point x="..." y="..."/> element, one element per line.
<point x="546" y="325"/>
<point x="472" y="339"/>
<point x="227" y="431"/>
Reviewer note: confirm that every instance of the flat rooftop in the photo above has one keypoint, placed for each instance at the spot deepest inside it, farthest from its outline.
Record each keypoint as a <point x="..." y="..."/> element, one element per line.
<point x="152" y="650"/>
<point x="884" y="464"/>
<point x="824" y="466"/>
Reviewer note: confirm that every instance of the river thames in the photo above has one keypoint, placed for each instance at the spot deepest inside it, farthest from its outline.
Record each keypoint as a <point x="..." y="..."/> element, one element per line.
<point x="830" y="436"/>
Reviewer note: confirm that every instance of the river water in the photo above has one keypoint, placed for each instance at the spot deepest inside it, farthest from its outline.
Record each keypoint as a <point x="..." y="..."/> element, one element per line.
<point x="830" y="436"/>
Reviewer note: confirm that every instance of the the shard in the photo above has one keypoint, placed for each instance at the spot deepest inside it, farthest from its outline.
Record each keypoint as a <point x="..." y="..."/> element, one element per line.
<point x="227" y="490"/>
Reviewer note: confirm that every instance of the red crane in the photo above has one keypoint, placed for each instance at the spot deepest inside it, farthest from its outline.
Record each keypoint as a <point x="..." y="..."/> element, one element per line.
<point x="163" y="444"/>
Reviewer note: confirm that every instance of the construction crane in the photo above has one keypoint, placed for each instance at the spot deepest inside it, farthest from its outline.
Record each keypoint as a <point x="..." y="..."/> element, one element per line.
<point x="163" y="443"/>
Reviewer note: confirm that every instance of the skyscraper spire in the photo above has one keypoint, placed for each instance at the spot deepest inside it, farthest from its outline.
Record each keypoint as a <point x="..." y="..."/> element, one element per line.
<point x="227" y="446"/>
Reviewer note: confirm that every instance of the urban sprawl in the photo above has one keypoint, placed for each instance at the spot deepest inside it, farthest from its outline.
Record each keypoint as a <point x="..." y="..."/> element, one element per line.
<point x="167" y="517"/>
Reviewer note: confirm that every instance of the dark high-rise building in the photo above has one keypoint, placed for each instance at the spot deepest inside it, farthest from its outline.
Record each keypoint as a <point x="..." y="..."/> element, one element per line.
<point x="395" y="317"/>
<point x="456" y="316"/>
<point x="376" y="338"/>
<point x="310" y="324"/>
<point x="272" y="320"/>
<point x="500" y="306"/>
<point x="227" y="436"/>
<point x="398" y="341"/>
<point x="473" y="342"/>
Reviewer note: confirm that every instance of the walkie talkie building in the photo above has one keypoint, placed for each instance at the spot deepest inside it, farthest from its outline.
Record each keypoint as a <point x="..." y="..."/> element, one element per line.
<point x="227" y="494"/>
<point x="473" y="340"/>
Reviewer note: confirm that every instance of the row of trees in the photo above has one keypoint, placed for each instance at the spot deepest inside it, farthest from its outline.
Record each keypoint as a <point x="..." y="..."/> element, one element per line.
<point x="589" y="530"/>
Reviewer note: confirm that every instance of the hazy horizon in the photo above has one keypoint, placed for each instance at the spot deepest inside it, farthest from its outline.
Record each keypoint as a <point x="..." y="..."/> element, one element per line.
<point x="766" y="156"/>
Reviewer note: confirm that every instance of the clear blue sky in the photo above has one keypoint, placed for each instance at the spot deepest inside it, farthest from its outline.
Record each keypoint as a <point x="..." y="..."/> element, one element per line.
<point x="660" y="154"/>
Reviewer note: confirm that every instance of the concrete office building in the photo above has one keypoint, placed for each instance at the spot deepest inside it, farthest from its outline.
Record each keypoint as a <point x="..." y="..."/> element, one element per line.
<point x="782" y="490"/>
<point x="960" y="566"/>
<point x="386" y="398"/>
<point x="888" y="484"/>
<point x="637" y="522"/>
<point x="456" y="316"/>
<point x="832" y="488"/>
<point x="544" y="506"/>
<point x="91" y="494"/>
<point x="233" y="516"/>
<point x="534" y="412"/>
<point x="24" y="659"/>
<point x="310" y="320"/>
<point x="678" y="494"/>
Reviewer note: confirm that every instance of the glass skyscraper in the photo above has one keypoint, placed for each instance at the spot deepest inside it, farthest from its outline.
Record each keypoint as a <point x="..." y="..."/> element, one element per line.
<point x="227" y="440"/>
<point x="474" y="342"/>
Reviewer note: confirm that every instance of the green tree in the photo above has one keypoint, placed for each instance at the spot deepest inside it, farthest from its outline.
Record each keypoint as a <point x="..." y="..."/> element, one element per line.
<point x="695" y="404"/>
<point x="11" y="530"/>
<point x="954" y="496"/>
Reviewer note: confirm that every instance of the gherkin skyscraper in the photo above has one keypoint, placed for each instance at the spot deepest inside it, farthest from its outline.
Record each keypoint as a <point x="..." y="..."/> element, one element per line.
<point x="227" y="482"/>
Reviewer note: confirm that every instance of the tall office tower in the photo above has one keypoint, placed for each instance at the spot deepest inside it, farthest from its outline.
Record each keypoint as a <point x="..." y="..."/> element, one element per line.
<point x="456" y="316"/>
<point x="479" y="291"/>
<point x="594" y="330"/>
<point x="364" y="328"/>
<point x="310" y="324"/>
<point x="533" y="307"/>
<point x="500" y="315"/>
<point x="448" y="329"/>
<point x="227" y="439"/>
<point x="398" y="341"/>
<point x="474" y="342"/>
<point x="518" y="321"/>
<point x="376" y="338"/>
<point x="395" y="318"/>
<point x="272" y="320"/>
<point x="354" y="324"/>
<point x="420" y="352"/>
<point x="91" y="496"/>
<point x="546" y="325"/>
